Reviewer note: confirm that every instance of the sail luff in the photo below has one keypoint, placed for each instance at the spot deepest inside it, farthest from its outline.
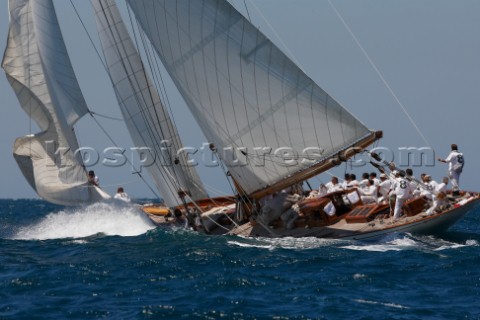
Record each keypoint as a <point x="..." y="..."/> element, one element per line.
<point x="147" y="119"/>
<point x="260" y="110"/>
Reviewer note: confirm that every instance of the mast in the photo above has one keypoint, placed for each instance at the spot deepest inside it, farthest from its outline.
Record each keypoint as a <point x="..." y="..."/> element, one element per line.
<point x="39" y="70"/>
<point x="148" y="121"/>
<point x="249" y="98"/>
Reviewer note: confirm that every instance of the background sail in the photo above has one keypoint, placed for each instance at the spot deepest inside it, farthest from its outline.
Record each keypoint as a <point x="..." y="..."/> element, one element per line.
<point x="244" y="91"/>
<point x="148" y="121"/>
<point x="39" y="70"/>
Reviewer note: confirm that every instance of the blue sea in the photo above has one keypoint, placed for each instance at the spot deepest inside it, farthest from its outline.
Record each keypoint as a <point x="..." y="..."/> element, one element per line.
<point x="107" y="261"/>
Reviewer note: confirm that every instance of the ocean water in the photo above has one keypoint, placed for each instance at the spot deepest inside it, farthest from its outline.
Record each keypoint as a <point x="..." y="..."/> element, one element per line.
<point x="106" y="261"/>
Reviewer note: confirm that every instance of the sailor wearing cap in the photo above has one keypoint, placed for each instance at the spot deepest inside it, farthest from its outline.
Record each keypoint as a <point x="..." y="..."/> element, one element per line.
<point x="384" y="186"/>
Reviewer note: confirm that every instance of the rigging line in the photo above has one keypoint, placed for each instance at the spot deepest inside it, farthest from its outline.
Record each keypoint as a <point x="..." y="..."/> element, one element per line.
<point x="166" y="116"/>
<point x="157" y="131"/>
<point x="189" y="178"/>
<point x="99" y="56"/>
<point x="88" y="35"/>
<point x="380" y="75"/>
<point x="120" y="184"/>
<point x="243" y="196"/>
<point x="129" y="162"/>
<point x="106" y="117"/>
<point x="278" y="37"/>
<point x="216" y="191"/>
<point x="185" y="175"/>
<point x="156" y="73"/>
<point x="248" y="12"/>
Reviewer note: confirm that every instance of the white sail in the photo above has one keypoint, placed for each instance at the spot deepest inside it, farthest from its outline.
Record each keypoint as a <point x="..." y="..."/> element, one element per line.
<point x="39" y="70"/>
<point x="148" y="121"/>
<point x="245" y="92"/>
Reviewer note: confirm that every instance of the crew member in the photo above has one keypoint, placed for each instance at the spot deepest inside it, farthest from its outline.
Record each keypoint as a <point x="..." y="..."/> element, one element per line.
<point x="122" y="195"/>
<point x="93" y="179"/>
<point x="455" y="162"/>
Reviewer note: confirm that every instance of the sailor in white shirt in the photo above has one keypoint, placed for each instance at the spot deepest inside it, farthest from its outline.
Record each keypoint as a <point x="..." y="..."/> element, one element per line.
<point x="346" y="181"/>
<point x="431" y="188"/>
<point x="92" y="178"/>
<point x="353" y="182"/>
<point x="439" y="198"/>
<point x="376" y="181"/>
<point x="333" y="185"/>
<point x="369" y="193"/>
<point x="455" y="162"/>
<point x="442" y="187"/>
<point x="409" y="176"/>
<point x="364" y="182"/>
<point x="418" y="190"/>
<point x="322" y="190"/>
<point x="384" y="187"/>
<point x="403" y="191"/>
<point x="122" y="195"/>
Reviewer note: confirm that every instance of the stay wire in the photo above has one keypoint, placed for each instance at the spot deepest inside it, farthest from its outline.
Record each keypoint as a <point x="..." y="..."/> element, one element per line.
<point x="380" y="75"/>
<point x="98" y="55"/>
<point x="246" y="8"/>
<point x="138" y="173"/>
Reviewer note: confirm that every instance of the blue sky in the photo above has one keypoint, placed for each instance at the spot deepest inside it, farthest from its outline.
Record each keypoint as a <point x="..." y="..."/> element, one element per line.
<point x="427" y="51"/>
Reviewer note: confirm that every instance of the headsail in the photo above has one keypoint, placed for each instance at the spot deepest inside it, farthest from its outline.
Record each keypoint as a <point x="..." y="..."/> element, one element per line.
<point x="148" y="121"/>
<point x="245" y="92"/>
<point x="39" y="70"/>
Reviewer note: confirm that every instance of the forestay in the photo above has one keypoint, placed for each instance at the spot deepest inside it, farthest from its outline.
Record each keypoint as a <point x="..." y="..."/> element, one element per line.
<point x="267" y="118"/>
<point x="148" y="121"/>
<point x="39" y="70"/>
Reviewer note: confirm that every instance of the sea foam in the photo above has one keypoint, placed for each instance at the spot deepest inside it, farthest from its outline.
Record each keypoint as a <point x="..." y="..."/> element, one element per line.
<point x="111" y="219"/>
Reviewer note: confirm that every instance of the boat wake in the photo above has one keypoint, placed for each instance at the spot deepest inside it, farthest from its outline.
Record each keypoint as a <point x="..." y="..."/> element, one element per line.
<point x="410" y="242"/>
<point x="110" y="219"/>
<point x="283" y="243"/>
<point x="406" y="242"/>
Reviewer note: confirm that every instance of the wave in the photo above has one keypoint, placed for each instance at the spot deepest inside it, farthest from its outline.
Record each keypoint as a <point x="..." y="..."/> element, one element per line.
<point x="385" y="304"/>
<point x="110" y="219"/>
<point x="283" y="243"/>
<point x="410" y="242"/>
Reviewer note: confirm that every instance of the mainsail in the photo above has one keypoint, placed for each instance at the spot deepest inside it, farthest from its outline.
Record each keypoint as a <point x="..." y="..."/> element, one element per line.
<point x="147" y="119"/>
<point x="39" y="70"/>
<point x="257" y="107"/>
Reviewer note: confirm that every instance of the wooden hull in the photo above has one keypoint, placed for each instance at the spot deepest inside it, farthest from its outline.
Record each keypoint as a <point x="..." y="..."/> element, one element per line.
<point x="426" y="225"/>
<point x="418" y="224"/>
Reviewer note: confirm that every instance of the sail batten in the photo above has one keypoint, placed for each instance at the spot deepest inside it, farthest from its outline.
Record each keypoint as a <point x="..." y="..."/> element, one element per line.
<point x="245" y="93"/>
